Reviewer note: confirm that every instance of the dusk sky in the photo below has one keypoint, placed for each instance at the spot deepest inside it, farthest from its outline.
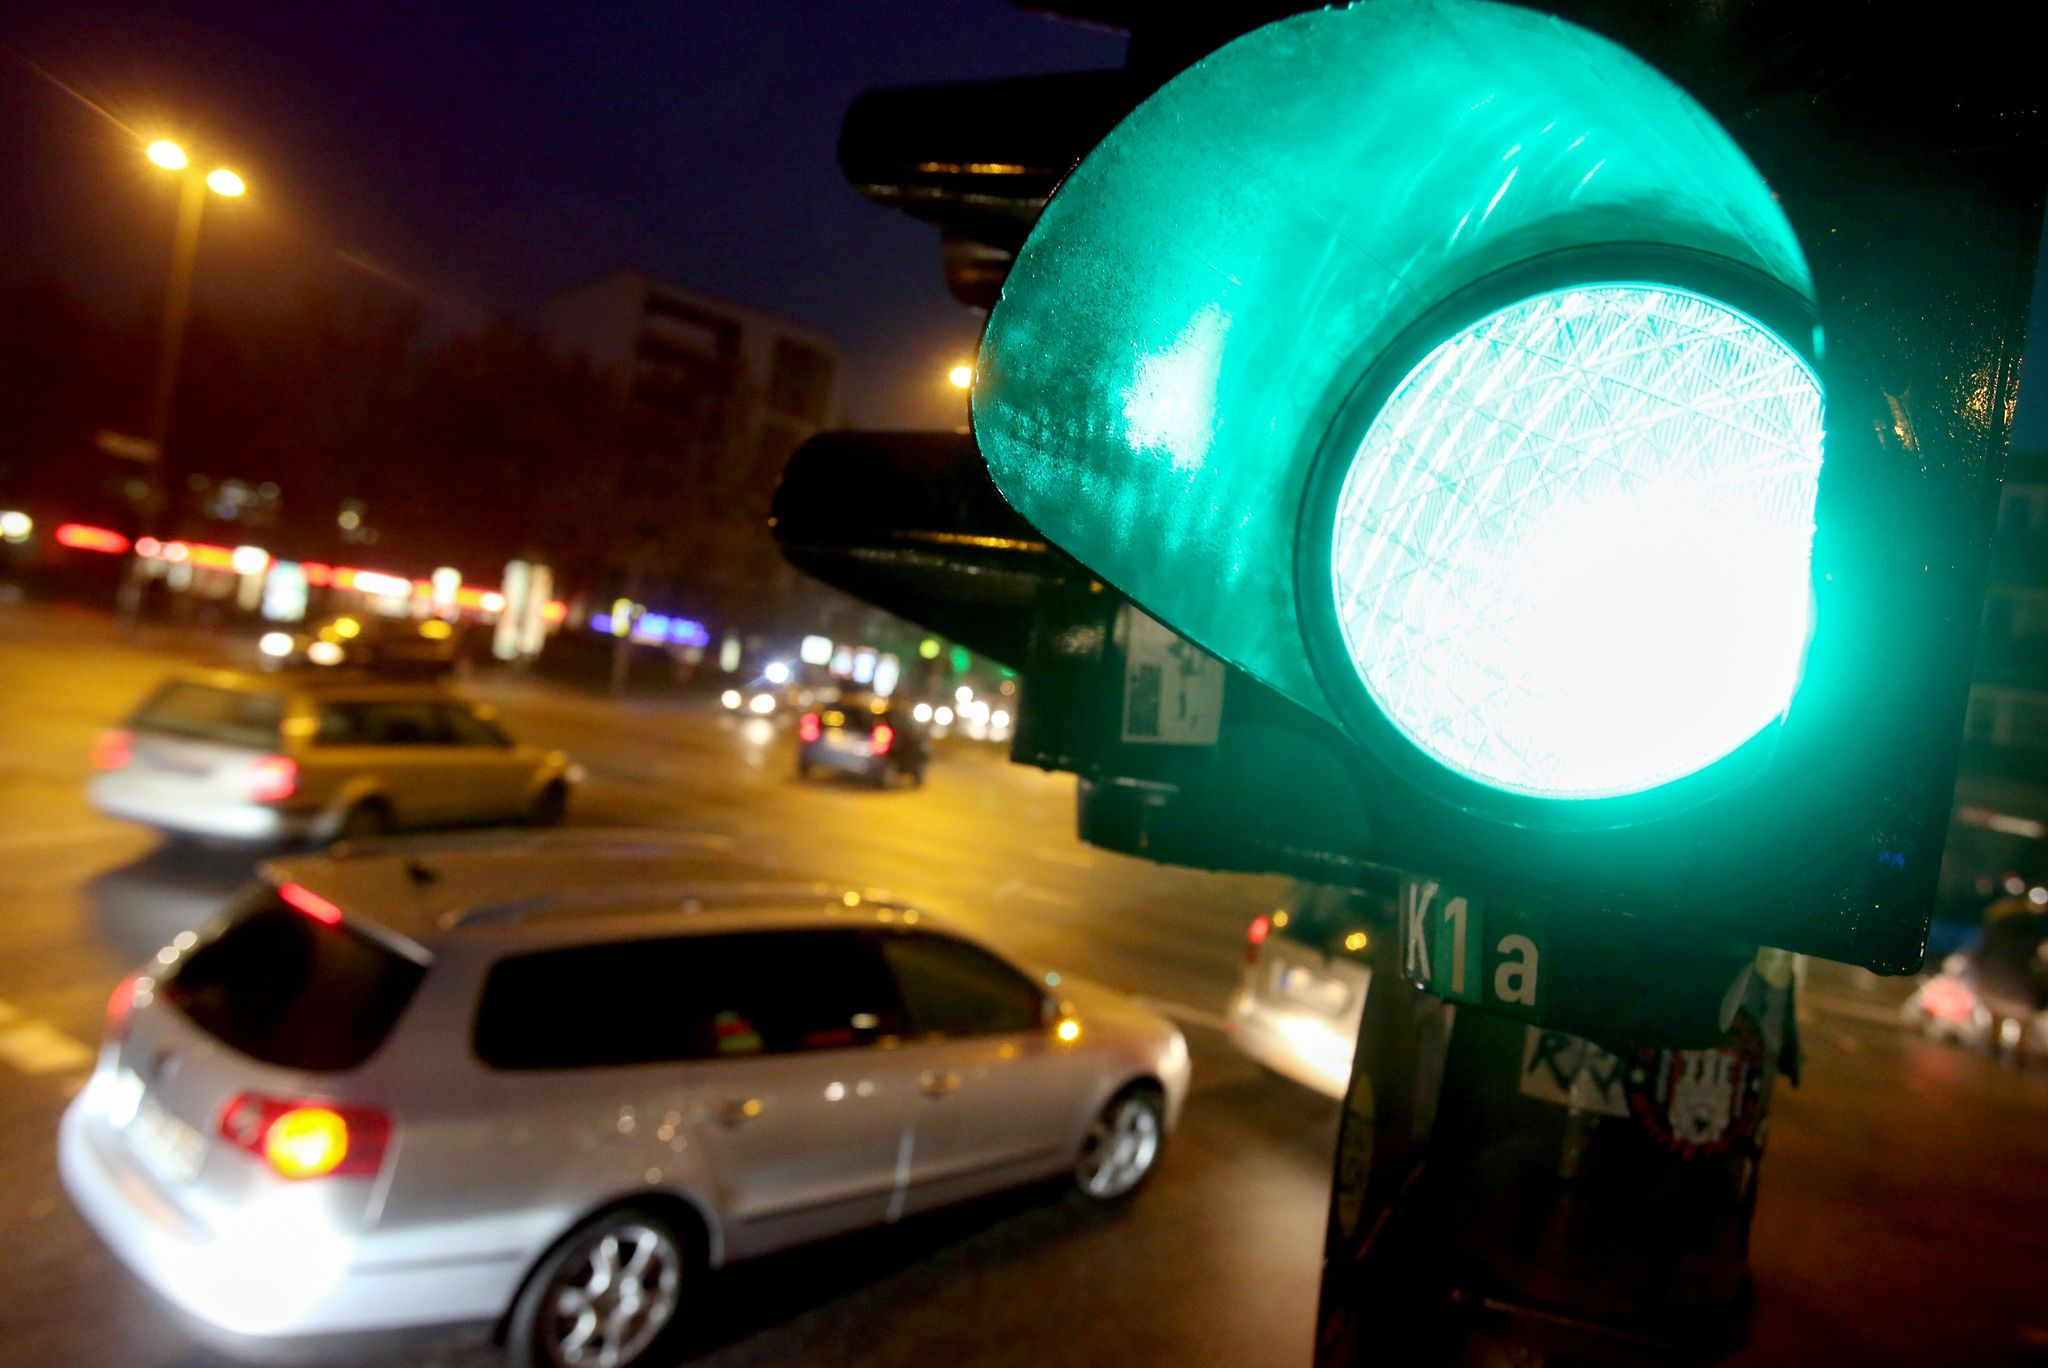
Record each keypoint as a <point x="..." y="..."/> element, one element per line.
<point x="481" y="157"/>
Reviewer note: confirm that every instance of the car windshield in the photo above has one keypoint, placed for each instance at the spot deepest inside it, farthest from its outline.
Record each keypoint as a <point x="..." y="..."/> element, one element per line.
<point x="207" y="712"/>
<point x="287" y="990"/>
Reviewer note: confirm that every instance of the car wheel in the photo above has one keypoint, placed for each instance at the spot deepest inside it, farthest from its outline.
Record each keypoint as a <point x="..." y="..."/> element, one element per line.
<point x="551" y="805"/>
<point x="363" y="822"/>
<point x="803" y="768"/>
<point x="605" y="1297"/>
<point x="1121" y="1148"/>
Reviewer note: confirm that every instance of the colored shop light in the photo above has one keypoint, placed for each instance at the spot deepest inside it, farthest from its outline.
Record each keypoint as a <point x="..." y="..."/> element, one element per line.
<point x="380" y="585"/>
<point x="85" y="537"/>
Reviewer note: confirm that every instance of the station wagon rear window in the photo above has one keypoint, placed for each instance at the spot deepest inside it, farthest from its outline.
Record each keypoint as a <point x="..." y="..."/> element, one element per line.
<point x="287" y="990"/>
<point x="207" y="712"/>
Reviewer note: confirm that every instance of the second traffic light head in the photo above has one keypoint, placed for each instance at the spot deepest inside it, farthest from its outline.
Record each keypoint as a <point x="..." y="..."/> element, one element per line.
<point x="1449" y="369"/>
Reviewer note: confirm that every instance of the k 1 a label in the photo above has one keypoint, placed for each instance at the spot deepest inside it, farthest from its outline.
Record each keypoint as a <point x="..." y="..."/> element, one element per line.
<point x="1466" y="949"/>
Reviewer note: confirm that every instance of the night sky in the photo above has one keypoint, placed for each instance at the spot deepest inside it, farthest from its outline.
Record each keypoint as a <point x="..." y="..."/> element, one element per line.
<point x="479" y="157"/>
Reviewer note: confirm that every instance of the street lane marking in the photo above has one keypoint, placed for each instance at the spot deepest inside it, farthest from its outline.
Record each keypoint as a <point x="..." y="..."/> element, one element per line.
<point x="1010" y="888"/>
<point x="37" y="1047"/>
<point x="1180" y="1011"/>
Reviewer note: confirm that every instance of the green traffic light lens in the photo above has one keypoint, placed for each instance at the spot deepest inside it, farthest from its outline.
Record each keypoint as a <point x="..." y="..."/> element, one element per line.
<point x="1572" y="556"/>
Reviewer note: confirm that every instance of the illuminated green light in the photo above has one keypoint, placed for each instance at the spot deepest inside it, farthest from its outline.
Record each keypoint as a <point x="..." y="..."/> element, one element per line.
<point x="1163" y="374"/>
<point x="1571" y="558"/>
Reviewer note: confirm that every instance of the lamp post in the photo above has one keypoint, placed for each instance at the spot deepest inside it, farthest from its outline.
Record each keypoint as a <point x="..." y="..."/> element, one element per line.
<point x="192" y="194"/>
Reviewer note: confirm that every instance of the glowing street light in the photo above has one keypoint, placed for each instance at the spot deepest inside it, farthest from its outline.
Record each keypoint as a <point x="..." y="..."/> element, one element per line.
<point x="962" y="376"/>
<point x="177" y="296"/>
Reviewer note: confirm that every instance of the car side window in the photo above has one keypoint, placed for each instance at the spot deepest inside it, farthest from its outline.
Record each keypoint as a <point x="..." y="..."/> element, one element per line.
<point x="952" y="988"/>
<point x="380" y="724"/>
<point x="685" y="998"/>
<point x="465" y="728"/>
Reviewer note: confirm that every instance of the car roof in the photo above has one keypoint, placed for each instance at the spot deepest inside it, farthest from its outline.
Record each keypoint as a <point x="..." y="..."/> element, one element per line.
<point x="565" y="887"/>
<point x="322" y="682"/>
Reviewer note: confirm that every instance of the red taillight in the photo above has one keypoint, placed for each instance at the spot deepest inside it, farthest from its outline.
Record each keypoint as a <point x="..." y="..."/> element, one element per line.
<point x="113" y="750"/>
<point x="120" y="1005"/>
<point x="1945" y="998"/>
<point x="881" y="739"/>
<point x="1255" y="936"/>
<point x="310" y="903"/>
<point x="807" y="727"/>
<point x="307" y="1139"/>
<point x="273" y="778"/>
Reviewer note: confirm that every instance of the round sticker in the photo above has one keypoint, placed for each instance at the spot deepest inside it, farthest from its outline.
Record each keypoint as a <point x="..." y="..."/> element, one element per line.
<point x="1699" y="1104"/>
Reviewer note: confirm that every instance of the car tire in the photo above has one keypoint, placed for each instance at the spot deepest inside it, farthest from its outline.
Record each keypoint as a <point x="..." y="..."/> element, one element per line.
<point x="363" y="822"/>
<point x="803" y="768"/>
<point x="611" y="1291"/>
<point x="550" y="805"/>
<point x="1122" y="1145"/>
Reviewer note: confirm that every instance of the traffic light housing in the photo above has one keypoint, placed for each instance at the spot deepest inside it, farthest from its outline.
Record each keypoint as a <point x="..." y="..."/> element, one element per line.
<point x="1604" y="514"/>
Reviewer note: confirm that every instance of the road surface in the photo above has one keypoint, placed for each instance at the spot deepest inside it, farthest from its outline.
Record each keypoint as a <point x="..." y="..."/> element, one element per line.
<point x="1904" y="1215"/>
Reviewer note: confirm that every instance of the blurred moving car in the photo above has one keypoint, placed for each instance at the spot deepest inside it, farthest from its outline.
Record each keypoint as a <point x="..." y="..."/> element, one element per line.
<point x="393" y="646"/>
<point x="317" y="757"/>
<point x="1305" y="979"/>
<point x="536" y="1084"/>
<point x="1993" y="992"/>
<point x="868" y="737"/>
<point x="763" y="699"/>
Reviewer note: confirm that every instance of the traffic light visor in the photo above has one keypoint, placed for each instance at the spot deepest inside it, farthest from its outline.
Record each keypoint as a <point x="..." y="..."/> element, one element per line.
<point x="1571" y="555"/>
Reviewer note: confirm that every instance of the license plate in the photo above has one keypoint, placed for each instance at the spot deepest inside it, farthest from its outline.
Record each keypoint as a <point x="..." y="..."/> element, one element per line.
<point x="165" y="1143"/>
<point x="1314" y="990"/>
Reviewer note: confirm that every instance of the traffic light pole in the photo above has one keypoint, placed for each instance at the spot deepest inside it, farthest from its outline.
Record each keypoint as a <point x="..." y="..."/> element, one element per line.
<point x="1505" y="1193"/>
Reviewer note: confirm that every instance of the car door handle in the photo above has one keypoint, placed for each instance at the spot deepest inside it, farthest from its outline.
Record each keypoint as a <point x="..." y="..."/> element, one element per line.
<point x="740" y="1110"/>
<point x="937" y="1082"/>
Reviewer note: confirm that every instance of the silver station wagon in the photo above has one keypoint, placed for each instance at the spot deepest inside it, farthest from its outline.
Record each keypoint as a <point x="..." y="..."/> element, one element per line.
<point x="268" y="758"/>
<point x="551" y="1085"/>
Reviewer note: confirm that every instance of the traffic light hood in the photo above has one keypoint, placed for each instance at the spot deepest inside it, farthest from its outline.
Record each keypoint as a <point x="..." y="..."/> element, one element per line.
<point x="1449" y="369"/>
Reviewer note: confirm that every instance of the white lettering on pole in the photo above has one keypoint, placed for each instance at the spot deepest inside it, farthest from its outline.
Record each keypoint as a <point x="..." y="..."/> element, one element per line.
<point x="1419" y="895"/>
<point x="1454" y="913"/>
<point x="1515" y="980"/>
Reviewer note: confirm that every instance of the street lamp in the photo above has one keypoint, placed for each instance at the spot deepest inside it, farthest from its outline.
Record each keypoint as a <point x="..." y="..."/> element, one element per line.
<point x="962" y="376"/>
<point x="178" y="292"/>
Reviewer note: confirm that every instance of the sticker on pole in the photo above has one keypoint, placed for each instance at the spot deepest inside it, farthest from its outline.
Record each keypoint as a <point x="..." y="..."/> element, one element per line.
<point x="1464" y="949"/>
<point x="1173" y="689"/>
<point x="1699" y="1104"/>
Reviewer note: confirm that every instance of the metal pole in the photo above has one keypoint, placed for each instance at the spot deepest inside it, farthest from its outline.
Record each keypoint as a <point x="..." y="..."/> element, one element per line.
<point x="171" y="346"/>
<point x="170" y="349"/>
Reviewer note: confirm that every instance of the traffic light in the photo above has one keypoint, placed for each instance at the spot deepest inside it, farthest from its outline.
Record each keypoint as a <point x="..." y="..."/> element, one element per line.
<point x="1531" y="492"/>
<point x="1455" y="374"/>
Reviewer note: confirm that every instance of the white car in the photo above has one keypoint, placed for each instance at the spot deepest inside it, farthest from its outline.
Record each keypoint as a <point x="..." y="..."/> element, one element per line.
<point x="1306" y="975"/>
<point x="552" y="1085"/>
